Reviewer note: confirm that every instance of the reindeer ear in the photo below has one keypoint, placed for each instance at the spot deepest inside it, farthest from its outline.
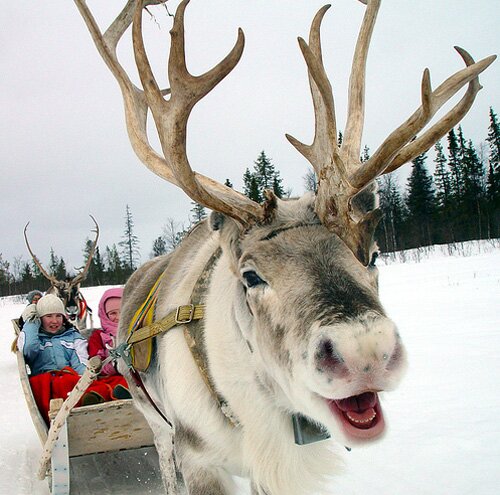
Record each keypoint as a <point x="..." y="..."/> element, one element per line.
<point x="366" y="200"/>
<point x="217" y="220"/>
<point x="230" y="233"/>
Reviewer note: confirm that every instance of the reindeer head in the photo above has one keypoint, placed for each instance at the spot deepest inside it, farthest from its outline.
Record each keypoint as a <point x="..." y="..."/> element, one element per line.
<point x="308" y="303"/>
<point x="68" y="290"/>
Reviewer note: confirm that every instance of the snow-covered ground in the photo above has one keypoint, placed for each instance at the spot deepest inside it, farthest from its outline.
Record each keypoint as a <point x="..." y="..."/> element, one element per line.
<point x="444" y="435"/>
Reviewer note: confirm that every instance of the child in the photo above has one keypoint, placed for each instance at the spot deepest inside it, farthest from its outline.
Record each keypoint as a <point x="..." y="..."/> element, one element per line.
<point x="103" y="339"/>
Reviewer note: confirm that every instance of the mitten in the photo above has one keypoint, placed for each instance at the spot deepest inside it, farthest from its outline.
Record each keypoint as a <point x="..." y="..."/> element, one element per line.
<point x="29" y="313"/>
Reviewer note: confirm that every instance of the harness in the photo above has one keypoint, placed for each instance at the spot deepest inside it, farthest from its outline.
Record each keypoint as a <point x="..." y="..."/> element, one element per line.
<point x="83" y="306"/>
<point x="138" y="348"/>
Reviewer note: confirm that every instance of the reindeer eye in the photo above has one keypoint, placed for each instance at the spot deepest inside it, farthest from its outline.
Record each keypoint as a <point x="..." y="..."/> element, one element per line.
<point x="373" y="261"/>
<point x="252" y="279"/>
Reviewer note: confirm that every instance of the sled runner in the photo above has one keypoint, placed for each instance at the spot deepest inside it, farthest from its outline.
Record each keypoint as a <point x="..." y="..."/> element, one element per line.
<point x="77" y="434"/>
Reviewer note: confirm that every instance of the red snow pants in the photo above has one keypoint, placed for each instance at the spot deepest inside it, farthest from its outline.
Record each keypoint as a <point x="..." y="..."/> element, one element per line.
<point x="58" y="385"/>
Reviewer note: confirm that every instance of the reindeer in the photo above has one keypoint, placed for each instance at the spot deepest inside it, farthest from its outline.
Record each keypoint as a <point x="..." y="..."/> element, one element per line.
<point x="268" y="329"/>
<point x="68" y="290"/>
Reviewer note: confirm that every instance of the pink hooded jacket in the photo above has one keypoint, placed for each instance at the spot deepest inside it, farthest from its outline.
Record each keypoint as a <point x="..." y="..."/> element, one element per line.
<point x="103" y="339"/>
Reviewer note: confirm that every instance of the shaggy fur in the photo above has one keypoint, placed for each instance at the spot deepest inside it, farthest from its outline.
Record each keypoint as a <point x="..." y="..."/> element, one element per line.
<point x="292" y="320"/>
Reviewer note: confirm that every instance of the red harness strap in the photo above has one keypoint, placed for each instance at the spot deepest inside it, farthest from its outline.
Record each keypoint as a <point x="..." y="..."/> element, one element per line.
<point x="83" y="307"/>
<point x="138" y="381"/>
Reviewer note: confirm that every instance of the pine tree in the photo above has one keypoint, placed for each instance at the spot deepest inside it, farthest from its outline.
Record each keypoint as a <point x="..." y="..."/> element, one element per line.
<point x="40" y="280"/>
<point x="474" y="189"/>
<point x="53" y="262"/>
<point x="95" y="275"/>
<point x="92" y="278"/>
<point x="389" y="231"/>
<point x="5" y="277"/>
<point x="130" y="243"/>
<point x="57" y="266"/>
<point x="61" y="272"/>
<point x="420" y="202"/>
<point x="251" y="186"/>
<point x="114" y="268"/>
<point x="442" y="178"/>
<point x="493" y="180"/>
<point x="444" y="197"/>
<point x="198" y="212"/>
<point x="265" y="176"/>
<point x="455" y="164"/>
<point x="26" y="273"/>
<point x="365" y="156"/>
<point x="474" y="175"/>
<point x="159" y="247"/>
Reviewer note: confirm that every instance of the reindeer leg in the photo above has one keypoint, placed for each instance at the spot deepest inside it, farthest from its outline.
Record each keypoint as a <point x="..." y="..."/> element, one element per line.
<point x="164" y="443"/>
<point x="201" y="480"/>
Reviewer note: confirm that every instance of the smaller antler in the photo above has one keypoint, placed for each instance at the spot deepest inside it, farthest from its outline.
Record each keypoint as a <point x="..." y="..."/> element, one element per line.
<point x="53" y="280"/>
<point x="83" y="274"/>
<point x="80" y="276"/>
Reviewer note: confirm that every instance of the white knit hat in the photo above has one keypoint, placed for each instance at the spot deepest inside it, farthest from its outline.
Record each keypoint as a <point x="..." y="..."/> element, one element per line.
<point x="49" y="304"/>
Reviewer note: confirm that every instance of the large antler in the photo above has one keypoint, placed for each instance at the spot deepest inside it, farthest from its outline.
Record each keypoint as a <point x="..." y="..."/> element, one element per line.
<point x="82" y="275"/>
<point x="170" y="115"/>
<point x="339" y="170"/>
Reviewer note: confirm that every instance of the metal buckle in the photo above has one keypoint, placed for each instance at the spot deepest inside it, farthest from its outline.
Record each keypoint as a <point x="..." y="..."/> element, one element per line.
<point x="191" y="313"/>
<point x="122" y="351"/>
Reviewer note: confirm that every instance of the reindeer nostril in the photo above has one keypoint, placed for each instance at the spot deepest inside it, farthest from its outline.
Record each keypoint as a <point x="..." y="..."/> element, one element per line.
<point x="395" y="358"/>
<point x="327" y="357"/>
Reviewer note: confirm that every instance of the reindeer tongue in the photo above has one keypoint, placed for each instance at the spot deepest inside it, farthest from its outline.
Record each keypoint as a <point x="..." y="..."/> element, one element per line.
<point x="359" y="410"/>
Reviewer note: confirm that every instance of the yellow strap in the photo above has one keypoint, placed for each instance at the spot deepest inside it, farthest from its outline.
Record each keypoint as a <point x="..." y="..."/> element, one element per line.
<point x="146" y="310"/>
<point x="182" y="315"/>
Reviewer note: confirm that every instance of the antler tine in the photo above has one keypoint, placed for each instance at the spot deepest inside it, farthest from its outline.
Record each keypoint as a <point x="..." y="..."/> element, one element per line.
<point x="438" y="130"/>
<point x="351" y="144"/>
<point x="432" y="101"/>
<point x="133" y="98"/>
<point x="171" y="117"/>
<point x="325" y="135"/>
<point x="50" y="278"/>
<point x="83" y="274"/>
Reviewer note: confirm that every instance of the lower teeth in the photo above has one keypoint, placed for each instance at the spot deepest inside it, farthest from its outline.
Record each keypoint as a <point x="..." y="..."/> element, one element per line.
<point x="361" y="421"/>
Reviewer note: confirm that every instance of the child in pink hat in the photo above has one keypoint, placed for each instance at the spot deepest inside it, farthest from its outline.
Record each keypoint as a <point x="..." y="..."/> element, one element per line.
<point x="104" y="338"/>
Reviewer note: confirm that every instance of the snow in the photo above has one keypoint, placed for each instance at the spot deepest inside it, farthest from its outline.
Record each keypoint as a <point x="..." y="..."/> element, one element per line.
<point x="444" y="435"/>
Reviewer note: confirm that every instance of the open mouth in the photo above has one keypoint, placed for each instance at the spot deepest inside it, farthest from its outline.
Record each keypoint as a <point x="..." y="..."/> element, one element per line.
<point x="360" y="415"/>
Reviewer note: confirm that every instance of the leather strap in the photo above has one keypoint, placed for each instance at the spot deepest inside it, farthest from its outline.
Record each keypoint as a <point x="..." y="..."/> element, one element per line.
<point x="182" y="315"/>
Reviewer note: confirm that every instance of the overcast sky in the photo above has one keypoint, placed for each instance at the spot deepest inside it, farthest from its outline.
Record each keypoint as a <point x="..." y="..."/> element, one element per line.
<point x="64" y="150"/>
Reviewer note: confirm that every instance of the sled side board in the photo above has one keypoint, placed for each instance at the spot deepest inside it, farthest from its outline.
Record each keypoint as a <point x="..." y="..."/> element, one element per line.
<point x="107" y="427"/>
<point x="36" y="417"/>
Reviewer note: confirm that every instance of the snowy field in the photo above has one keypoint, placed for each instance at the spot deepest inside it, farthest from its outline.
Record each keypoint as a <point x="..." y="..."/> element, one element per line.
<point x="444" y="436"/>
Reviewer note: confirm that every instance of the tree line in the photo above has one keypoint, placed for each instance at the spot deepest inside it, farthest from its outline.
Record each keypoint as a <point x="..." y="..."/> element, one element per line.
<point x="111" y="267"/>
<point x="116" y="263"/>
<point x="459" y="201"/>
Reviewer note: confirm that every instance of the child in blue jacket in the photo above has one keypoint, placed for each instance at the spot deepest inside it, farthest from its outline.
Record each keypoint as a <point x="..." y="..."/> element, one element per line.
<point x="57" y="355"/>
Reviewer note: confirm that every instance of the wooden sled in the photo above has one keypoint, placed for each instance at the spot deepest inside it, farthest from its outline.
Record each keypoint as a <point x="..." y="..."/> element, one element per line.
<point x="87" y="432"/>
